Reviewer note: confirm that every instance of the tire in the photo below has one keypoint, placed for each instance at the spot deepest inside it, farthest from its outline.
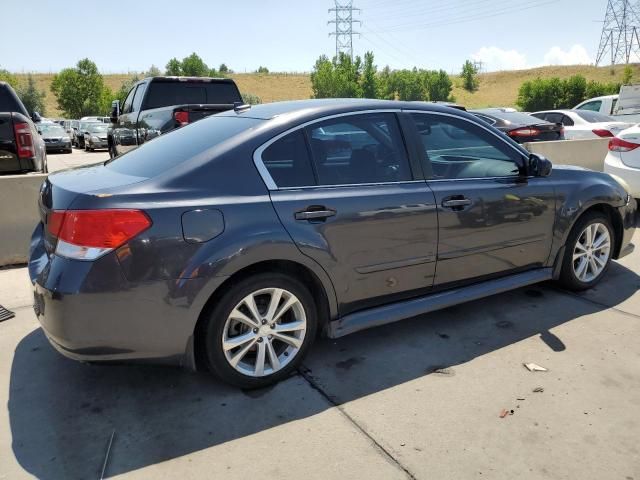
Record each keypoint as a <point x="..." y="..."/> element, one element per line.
<point x="221" y="327"/>
<point x="573" y="276"/>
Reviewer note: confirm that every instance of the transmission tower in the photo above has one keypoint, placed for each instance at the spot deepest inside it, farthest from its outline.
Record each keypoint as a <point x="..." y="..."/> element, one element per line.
<point x="620" y="32"/>
<point x="343" y="11"/>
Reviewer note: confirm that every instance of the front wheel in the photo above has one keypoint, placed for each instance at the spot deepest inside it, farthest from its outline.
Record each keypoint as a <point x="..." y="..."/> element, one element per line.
<point x="588" y="252"/>
<point x="260" y="330"/>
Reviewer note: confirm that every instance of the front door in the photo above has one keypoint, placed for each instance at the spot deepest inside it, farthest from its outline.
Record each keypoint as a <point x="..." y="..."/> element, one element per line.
<point x="348" y="197"/>
<point x="493" y="218"/>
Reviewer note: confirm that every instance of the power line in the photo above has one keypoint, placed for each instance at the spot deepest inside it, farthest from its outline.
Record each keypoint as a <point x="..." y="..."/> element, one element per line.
<point x="344" y="21"/>
<point x="619" y="32"/>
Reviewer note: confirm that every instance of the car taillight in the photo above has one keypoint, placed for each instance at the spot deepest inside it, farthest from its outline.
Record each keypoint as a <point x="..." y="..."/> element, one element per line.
<point x="181" y="117"/>
<point x="619" y="145"/>
<point x="524" y="132"/>
<point x="24" y="142"/>
<point x="89" y="234"/>
<point x="601" y="132"/>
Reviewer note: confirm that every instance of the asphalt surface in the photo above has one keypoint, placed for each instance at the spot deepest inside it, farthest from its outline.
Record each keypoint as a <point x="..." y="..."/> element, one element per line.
<point x="62" y="161"/>
<point x="420" y="399"/>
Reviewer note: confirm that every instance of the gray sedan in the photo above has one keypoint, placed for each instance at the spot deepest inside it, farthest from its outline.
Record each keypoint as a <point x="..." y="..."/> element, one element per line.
<point x="95" y="136"/>
<point x="55" y="137"/>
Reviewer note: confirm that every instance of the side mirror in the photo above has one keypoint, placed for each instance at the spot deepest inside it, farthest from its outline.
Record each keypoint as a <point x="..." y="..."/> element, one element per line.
<point x="35" y="116"/>
<point x="539" y="166"/>
<point x="115" y="111"/>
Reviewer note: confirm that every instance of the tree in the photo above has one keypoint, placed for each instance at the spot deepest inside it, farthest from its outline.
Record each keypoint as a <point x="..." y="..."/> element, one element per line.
<point x="263" y="70"/>
<point x="194" y="66"/>
<point x="552" y="93"/>
<point x="79" y="90"/>
<point x="224" y="69"/>
<point x="368" y="84"/>
<point x="250" y="99"/>
<point x="438" y="86"/>
<point x="6" y="76"/>
<point x="153" y="72"/>
<point x="174" y="67"/>
<point x="31" y="96"/>
<point x="125" y="88"/>
<point x="469" y="80"/>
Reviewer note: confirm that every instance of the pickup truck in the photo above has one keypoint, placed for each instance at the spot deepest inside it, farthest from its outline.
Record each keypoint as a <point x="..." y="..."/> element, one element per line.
<point x="21" y="147"/>
<point x="623" y="107"/>
<point x="157" y="105"/>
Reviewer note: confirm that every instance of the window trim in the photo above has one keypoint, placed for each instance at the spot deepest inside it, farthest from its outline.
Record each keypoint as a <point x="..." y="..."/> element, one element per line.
<point x="271" y="184"/>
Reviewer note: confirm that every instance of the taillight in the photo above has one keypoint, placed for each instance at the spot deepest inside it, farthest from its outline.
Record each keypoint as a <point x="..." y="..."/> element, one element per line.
<point x="524" y="132"/>
<point x="24" y="142"/>
<point x="181" y="117"/>
<point x="601" y="132"/>
<point x="89" y="234"/>
<point x="619" y="145"/>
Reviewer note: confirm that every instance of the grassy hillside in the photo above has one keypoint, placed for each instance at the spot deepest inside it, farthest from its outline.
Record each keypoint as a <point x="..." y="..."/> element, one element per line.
<point x="496" y="88"/>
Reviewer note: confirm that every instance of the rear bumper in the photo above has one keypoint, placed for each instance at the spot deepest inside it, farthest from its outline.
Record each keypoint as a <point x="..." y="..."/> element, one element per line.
<point x="90" y="312"/>
<point x="613" y="165"/>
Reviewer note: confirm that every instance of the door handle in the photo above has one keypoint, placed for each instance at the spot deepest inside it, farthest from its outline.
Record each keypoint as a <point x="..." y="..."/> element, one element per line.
<point x="456" y="202"/>
<point x="317" y="213"/>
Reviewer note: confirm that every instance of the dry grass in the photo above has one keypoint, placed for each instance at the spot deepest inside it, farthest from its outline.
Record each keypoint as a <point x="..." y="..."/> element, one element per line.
<point x="496" y="88"/>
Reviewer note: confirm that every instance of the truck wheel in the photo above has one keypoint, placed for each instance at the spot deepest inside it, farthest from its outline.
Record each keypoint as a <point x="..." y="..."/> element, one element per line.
<point x="588" y="252"/>
<point x="260" y="330"/>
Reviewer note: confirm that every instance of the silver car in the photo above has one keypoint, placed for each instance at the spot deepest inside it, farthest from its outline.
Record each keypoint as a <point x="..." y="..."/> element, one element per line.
<point x="55" y="137"/>
<point x="95" y="136"/>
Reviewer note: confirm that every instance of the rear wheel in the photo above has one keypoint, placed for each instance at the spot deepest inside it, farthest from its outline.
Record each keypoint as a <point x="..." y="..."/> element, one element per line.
<point x="588" y="252"/>
<point x="260" y="330"/>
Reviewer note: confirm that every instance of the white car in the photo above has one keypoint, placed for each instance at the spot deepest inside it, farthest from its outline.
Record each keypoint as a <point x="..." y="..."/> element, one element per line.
<point x="580" y="124"/>
<point x="623" y="158"/>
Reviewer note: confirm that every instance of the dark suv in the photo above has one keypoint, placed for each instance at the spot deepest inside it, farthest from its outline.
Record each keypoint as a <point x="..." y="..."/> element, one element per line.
<point x="229" y="243"/>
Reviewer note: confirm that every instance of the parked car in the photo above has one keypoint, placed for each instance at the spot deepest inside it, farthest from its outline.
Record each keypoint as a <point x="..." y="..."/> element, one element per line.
<point x="55" y="137"/>
<point x="580" y="124"/>
<point x="21" y="148"/>
<point x="95" y="136"/>
<point x="157" y="105"/>
<point x="229" y="243"/>
<point x="82" y="130"/>
<point x="605" y="104"/>
<point x="520" y="126"/>
<point x="623" y="158"/>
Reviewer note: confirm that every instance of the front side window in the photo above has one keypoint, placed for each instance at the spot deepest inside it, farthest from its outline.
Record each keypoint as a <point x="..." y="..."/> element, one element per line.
<point x="456" y="148"/>
<point x="288" y="162"/>
<point x="357" y="149"/>
<point x="126" y="108"/>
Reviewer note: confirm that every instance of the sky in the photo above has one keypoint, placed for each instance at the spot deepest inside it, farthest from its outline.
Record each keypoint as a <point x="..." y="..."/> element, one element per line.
<point x="289" y="35"/>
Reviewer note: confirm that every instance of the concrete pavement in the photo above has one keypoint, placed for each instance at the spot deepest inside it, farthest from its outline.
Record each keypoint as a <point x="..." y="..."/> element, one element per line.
<point x="62" y="161"/>
<point x="418" y="399"/>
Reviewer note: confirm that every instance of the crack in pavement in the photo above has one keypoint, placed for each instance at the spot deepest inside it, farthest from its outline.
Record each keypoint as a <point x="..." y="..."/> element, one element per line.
<point x="304" y="373"/>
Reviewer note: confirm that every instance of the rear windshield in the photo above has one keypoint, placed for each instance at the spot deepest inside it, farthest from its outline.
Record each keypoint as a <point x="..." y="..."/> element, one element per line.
<point x="8" y="102"/>
<point x="174" y="148"/>
<point x="593" y="117"/>
<point x="162" y="94"/>
<point x="516" y="117"/>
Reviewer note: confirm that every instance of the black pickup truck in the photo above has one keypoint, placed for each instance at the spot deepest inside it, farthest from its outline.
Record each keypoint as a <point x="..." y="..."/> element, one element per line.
<point x="157" y="105"/>
<point x="21" y="147"/>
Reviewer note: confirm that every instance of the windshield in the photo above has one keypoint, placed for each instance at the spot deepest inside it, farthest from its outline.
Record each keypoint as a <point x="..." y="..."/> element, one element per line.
<point x="55" y="129"/>
<point x="178" y="146"/>
<point x="593" y="117"/>
<point x="84" y="126"/>
<point x="99" y="127"/>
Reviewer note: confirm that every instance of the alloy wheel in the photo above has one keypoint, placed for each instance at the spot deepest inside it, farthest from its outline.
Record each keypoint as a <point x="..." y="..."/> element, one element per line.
<point x="264" y="332"/>
<point x="591" y="252"/>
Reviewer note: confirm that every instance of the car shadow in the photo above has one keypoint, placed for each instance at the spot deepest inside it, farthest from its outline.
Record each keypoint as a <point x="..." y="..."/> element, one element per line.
<point x="62" y="413"/>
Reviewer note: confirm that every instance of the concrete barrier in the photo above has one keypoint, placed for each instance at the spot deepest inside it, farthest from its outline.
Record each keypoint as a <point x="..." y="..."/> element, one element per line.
<point x="588" y="153"/>
<point x="18" y="215"/>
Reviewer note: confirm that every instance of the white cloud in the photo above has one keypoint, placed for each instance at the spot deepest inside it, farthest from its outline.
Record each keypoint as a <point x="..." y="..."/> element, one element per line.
<point x="576" y="55"/>
<point x="494" y="58"/>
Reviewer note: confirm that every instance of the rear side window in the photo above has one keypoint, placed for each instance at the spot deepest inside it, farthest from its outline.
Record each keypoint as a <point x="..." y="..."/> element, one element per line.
<point x="162" y="94"/>
<point x="593" y="106"/>
<point x="288" y="162"/>
<point x="167" y="151"/>
<point x="137" y="98"/>
<point x="366" y="148"/>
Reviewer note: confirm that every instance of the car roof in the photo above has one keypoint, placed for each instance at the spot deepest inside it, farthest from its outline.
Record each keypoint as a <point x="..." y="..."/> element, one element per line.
<point x="330" y="106"/>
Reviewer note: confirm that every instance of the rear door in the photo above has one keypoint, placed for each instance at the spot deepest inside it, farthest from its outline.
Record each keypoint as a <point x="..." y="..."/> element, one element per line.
<point x="492" y="218"/>
<point x="346" y="192"/>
